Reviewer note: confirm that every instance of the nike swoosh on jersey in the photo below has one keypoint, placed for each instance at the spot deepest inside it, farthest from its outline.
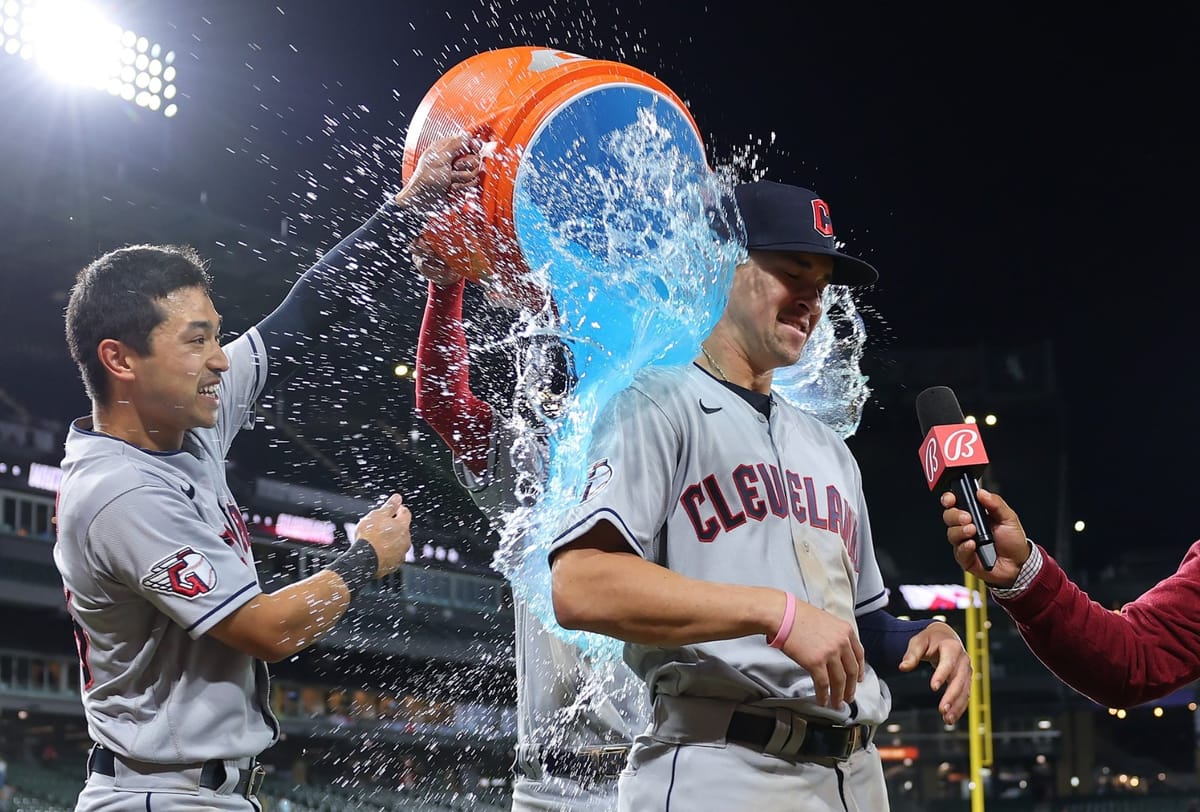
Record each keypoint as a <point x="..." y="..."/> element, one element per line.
<point x="709" y="409"/>
<point x="189" y="490"/>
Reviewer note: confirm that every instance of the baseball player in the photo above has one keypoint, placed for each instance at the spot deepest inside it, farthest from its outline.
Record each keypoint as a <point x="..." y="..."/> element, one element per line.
<point x="723" y="534"/>
<point x="575" y="719"/>
<point x="171" y="624"/>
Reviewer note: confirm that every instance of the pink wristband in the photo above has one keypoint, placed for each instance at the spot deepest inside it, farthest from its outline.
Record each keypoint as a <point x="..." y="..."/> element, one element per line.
<point x="785" y="625"/>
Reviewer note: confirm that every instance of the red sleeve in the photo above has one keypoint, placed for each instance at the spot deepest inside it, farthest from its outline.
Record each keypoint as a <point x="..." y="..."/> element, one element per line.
<point x="1145" y="651"/>
<point x="444" y="397"/>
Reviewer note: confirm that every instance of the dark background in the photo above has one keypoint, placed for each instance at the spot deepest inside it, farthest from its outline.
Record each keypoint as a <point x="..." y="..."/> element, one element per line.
<point x="1022" y="177"/>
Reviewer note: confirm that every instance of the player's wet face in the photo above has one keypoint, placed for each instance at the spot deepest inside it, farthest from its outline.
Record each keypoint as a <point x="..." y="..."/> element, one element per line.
<point x="775" y="302"/>
<point x="176" y="384"/>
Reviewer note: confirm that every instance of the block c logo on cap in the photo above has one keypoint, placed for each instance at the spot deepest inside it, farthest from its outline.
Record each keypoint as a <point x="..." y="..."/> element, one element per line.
<point x="822" y="222"/>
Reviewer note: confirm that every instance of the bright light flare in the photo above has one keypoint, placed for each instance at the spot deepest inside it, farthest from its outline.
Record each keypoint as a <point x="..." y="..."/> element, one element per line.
<point x="73" y="43"/>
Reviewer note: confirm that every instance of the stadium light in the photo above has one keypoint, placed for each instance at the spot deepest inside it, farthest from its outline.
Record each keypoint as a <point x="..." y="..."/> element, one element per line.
<point x="72" y="42"/>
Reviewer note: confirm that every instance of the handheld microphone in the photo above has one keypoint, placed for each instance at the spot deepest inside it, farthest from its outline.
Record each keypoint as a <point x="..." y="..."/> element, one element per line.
<point x="953" y="458"/>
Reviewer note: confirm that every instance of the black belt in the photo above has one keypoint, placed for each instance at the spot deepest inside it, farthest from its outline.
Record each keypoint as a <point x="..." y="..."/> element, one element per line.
<point x="212" y="773"/>
<point x="586" y="765"/>
<point x="821" y="739"/>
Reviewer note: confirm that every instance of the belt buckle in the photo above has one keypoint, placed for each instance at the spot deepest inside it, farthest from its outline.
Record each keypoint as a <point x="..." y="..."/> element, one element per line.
<point x="857" y="735"/>
<point x="853" y="737"/>
<point x="606" y="762"/>
<point x="257" y="775"/>
<point x="600" y="750"/>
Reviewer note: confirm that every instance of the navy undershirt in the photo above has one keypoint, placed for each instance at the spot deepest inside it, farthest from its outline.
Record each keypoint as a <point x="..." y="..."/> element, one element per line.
<point x="341" y="282"/>
<point x="884" y="636"/>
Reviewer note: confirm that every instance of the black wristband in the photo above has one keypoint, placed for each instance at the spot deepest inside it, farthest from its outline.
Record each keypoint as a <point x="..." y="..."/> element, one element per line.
<point x="357" y="565"/>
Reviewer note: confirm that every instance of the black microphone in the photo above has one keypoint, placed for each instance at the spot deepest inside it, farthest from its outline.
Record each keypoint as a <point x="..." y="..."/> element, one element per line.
<point x="953" y="457"/>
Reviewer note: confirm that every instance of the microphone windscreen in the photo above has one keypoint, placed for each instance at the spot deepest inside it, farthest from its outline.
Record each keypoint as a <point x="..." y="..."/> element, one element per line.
<point x="938" y="406"/>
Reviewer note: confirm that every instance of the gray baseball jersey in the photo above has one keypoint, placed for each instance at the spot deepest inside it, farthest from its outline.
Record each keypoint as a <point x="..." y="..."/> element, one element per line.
<point x="153" y="553"/>
<point x="698" y="480"/>
<point x="564" y="699"/>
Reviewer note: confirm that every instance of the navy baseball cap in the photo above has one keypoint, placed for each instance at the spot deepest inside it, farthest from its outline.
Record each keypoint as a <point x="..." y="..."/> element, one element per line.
<point x="782" y="217"/>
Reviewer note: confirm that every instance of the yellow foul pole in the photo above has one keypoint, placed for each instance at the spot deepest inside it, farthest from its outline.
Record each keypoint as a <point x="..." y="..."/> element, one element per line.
<point x="979" y="711"/>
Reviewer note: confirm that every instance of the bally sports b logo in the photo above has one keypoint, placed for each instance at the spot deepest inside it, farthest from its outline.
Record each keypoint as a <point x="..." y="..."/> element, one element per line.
<point x="951" y="446"/>
<point x="960" y="445"/>
<point x="929" y="459"/>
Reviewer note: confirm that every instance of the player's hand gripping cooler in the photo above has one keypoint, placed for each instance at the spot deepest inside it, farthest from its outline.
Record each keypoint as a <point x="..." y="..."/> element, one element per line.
<point x="598" y="219"/>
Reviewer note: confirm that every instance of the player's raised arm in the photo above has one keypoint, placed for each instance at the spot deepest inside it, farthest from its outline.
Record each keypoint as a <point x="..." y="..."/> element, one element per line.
<point x="444" y="398"/>
<point x="346" y="278"/>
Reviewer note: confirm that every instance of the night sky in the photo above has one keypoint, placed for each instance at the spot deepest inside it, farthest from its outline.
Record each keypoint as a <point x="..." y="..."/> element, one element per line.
<point x="1018" y="177"/>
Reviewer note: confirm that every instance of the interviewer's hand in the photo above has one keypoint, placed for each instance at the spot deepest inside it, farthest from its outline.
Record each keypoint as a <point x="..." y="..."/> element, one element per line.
<point x="827" y="647"/>
<point x="1012" y="548"/>
<point x="940" y="645"/>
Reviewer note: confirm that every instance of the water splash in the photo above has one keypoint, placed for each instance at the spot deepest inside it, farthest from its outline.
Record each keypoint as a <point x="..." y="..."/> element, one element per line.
<point x="639" y="256"/>
<point x="827" y="381"/>
<point x="627" y="231"/>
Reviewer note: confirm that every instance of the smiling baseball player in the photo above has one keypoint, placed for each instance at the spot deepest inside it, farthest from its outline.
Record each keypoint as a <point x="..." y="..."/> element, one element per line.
<point x="171" y="623"/>
<point x="723" y="534"/>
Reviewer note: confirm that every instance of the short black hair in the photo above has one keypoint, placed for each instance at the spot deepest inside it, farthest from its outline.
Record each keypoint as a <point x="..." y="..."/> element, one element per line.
<point x="117" y="296"/>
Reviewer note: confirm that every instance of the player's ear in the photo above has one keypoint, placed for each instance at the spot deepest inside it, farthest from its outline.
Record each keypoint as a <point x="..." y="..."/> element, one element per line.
<point x="118" y="359"/>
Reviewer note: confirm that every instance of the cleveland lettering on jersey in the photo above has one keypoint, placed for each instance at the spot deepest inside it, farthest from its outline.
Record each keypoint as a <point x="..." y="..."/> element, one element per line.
<point x="236" y="534"/>
<point x="762" y="493"/>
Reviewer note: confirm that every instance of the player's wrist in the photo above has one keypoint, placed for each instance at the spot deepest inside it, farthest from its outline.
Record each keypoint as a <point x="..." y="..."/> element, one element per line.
<point x="357" y="566"/>
<point x="781" y="633"/>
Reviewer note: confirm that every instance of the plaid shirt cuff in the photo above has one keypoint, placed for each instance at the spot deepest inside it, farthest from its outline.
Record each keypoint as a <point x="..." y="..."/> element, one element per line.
<point x="1029" y="571"/>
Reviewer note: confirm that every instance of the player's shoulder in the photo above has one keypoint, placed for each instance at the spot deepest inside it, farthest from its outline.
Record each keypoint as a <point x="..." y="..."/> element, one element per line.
<point x="246" y="348"/>
<point x="665" y="384"/>
<point x="803" y="418"/>
<point x="816" y="431"/>
<point x="99" y="470"/>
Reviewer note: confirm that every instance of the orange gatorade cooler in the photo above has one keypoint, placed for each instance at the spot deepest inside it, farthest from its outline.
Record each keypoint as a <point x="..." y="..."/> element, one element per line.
<point x="554" y="182"/>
